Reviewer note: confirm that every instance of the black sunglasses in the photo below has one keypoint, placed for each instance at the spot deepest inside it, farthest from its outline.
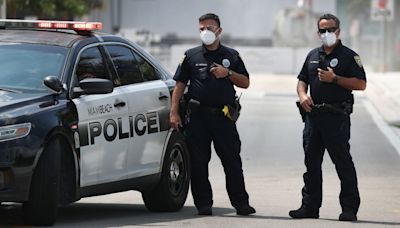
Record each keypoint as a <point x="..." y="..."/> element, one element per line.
<point x="209" y="28"/>
<point x="333" y="29"/>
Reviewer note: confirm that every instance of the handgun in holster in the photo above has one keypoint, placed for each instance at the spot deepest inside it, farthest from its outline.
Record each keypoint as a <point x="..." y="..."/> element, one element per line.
<point x="184" y="111"/>
<point x="348" y="105"/>
<point x="301" y="110"/>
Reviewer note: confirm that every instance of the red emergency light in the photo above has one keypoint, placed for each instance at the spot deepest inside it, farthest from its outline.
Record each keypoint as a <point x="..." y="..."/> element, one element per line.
<point x="43" y="24"/>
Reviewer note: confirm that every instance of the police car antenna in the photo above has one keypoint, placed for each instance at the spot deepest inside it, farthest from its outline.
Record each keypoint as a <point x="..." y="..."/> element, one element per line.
<point x="240" y="96"/>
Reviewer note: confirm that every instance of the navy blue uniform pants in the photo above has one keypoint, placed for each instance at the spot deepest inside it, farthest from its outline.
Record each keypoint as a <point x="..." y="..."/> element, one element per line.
<point x="204" y="128"/>
<point x="331" y="132"/>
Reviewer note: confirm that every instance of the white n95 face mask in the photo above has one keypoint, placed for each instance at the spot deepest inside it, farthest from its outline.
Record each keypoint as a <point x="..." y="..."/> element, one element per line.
<point x="328" y="38"/>
<point x="207" y="37"/>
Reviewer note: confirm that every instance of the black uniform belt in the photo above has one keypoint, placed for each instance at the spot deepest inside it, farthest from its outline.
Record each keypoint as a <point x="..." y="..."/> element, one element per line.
<point x="211" y="110"/>
<point x="338" y="108"/>
<point x="195" y="106"/>
<point x="345" y="108"/>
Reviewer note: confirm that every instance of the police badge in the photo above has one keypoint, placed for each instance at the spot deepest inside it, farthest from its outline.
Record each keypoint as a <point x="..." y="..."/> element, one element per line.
<point x="226" y="63"/>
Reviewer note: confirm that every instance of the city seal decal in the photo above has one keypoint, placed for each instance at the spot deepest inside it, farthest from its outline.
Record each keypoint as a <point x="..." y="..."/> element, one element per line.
<point x="334" y="62"/>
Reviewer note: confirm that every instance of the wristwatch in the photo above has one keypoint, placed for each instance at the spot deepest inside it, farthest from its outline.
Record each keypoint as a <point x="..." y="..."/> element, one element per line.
<point x="230" y="72"/>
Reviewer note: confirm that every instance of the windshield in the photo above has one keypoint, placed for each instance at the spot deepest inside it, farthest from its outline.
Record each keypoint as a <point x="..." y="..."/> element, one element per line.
<point x="24" y="66"/>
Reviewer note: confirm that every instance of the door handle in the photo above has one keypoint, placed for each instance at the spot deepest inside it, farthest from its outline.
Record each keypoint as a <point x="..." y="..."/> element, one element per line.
<point x="119" y="104"/>
<point x="162" y="96"/>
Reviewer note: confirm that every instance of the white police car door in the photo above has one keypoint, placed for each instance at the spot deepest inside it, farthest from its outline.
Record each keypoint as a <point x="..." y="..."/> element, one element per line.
<point x="149" y="104"/>
<point x="103" y="137"/>
<point x="145" y="151"/>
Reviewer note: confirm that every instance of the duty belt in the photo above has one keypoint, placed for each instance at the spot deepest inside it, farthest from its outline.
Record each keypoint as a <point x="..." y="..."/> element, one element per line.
<point x="345" y="108"/>
<point x="195" y="106"/>
<point x="211" y="110"/>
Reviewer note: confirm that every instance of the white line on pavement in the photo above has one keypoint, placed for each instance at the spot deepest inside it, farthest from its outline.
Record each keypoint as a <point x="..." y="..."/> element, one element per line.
<point x="383" y="126"/>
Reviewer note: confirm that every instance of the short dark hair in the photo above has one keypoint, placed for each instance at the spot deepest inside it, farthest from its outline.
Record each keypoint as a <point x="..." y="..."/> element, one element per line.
<point x="211" y="16"/>
<point x="329" y="16"/>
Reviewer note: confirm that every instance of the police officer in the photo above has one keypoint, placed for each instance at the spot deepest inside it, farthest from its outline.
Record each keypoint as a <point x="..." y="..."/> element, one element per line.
<point x="332" y="71"/>
<point x="212" y="70"/>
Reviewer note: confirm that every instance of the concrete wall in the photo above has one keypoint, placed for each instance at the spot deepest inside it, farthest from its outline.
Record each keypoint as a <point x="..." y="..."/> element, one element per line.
<point x="257" y="59"/>
<point x="241" y="19"/>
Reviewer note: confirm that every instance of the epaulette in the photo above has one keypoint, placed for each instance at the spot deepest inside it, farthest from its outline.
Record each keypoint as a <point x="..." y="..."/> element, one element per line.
<point x="193" y="51"/>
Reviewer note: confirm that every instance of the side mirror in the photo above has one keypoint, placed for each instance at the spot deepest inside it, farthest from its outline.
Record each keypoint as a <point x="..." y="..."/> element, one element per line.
<point x="54" y="84"/>
<point x="93" y="86"/>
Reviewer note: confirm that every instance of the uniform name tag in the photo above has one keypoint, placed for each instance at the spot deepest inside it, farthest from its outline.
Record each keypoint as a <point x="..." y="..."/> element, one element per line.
<point x="201" y="64"/>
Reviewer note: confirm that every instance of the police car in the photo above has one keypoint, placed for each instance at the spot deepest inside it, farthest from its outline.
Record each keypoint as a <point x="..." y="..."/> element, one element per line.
<point x="84" y="114"/>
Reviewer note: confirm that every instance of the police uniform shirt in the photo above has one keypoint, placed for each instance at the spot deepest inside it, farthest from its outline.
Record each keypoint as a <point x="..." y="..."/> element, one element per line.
<point x="343" y="61"/>
<point x="204" y="86"/>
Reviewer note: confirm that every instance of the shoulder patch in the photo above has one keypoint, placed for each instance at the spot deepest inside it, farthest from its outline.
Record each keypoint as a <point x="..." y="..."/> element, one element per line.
<point x="358" y="60"/>
<point x="182" y="59"/>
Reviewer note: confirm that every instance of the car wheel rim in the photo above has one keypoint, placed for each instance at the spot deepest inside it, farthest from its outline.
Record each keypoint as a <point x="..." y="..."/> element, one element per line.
<point x="176" y="171"/>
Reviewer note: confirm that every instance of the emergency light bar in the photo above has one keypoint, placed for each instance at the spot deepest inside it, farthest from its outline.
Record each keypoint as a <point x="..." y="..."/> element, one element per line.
<point x="42" y="24"/>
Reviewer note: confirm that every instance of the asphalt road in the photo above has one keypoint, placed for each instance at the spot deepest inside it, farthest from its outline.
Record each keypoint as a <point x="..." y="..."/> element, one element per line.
<point x="270" y="130"/>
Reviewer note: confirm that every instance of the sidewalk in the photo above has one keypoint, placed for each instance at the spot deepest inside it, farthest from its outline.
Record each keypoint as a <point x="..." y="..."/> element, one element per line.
<point x="383" y="90"/>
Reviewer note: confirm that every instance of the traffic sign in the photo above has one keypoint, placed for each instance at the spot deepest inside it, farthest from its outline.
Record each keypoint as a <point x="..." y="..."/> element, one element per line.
<point x="382" y="10"/>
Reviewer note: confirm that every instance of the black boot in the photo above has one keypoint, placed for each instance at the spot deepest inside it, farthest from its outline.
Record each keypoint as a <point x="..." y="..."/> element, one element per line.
<point x="348" y="216"/>
<point x="245" y="210"/>
<point x="204" y="211"/>
<point x="304" y="212"/>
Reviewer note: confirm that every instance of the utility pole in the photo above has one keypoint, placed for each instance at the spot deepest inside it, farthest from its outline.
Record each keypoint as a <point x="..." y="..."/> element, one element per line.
<point x="384" y="41"/>
<point x="383" y="11"/>
<point x="4" y="10"/>
<point x="115" y="15"/>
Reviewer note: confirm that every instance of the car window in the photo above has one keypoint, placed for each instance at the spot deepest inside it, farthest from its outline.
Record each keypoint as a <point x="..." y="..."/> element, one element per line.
<point x="125" y="64"/>
<point x="91" y="65"/>
<point x="148" y="71"/>
<point x="24" y="66"/>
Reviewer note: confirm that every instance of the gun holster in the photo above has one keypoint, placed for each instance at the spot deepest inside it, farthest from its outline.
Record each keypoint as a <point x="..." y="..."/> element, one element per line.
<point x="301" y="110"/>
<point x="184" y="110"/>
<point x="232" y="111"/>
<point x="193" y="106"/>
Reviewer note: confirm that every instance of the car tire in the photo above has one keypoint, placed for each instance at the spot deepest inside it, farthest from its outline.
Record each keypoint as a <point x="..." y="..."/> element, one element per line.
<point x="170" y="193"/>
<point x="41" y="209"/>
